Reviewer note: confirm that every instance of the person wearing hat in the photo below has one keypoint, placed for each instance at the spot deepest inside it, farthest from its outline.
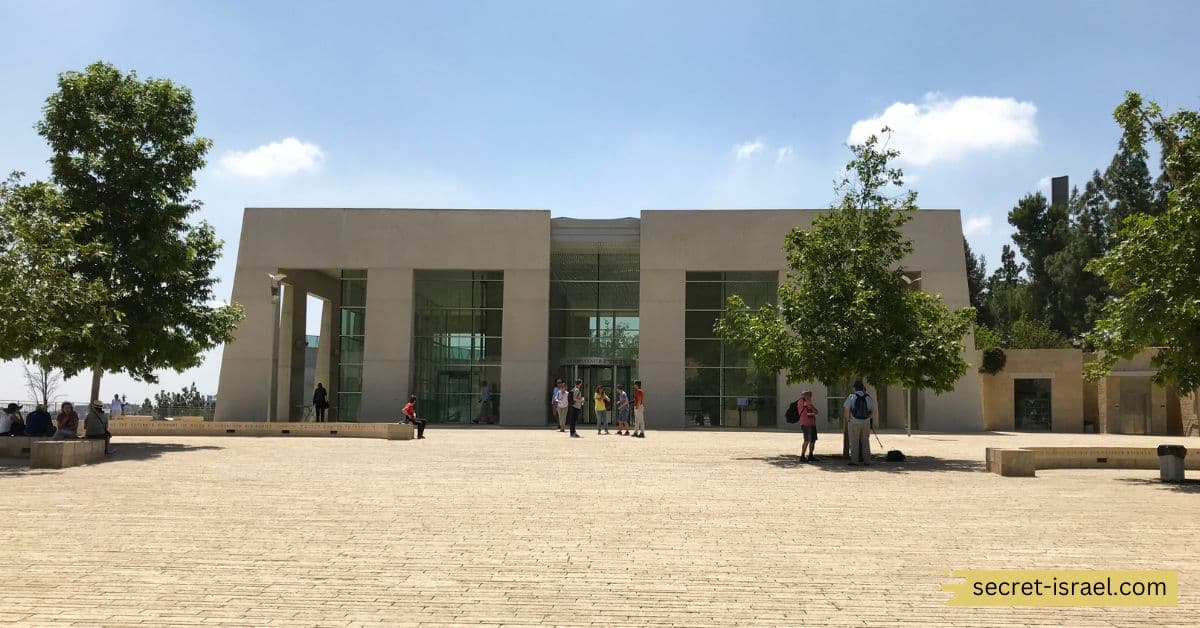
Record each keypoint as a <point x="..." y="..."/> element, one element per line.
<point x="95" y="425"/>
<point x="12" y="424"/>
<point x="38" y="422"/>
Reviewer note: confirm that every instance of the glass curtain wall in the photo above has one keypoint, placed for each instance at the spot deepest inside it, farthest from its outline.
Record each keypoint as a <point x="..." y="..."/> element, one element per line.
<point x="721" y="385"/>
<point x="353" y="317"/>
<point x="593" y="307"/>
<point x="456" y="343"/>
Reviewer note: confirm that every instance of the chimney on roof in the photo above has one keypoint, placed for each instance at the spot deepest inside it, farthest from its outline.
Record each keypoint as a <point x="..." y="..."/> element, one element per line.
<point x="1060" y="193"/>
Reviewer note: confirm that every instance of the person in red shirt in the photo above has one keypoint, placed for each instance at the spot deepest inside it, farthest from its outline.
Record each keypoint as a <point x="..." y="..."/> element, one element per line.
<point x="808" y="425"/>
<point x="410" y="416"/>
<point x="639" y="410"/>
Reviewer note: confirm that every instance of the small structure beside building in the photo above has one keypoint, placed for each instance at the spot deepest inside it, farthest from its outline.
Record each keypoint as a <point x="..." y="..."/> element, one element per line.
<point x="1044" y="390"/>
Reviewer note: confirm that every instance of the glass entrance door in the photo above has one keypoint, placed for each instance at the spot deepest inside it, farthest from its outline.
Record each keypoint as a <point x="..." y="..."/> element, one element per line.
<point x="600" y="375"/>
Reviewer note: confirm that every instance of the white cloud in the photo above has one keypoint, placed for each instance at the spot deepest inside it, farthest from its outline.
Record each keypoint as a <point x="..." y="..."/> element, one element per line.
<point x="783" y="154"/>
<point x="287" y="156"/>
<point x="1043" y="185"/>
<point x="977" y="224"/>
<point x="939" y="129"/>
<point x="748" y="149"/>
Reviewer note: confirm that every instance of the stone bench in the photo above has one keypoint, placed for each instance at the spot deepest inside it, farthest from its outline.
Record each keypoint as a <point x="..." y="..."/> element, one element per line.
<point x="388" y="431"/>
<point x="60" y="454"/>
<point x="1025" y="461"/>
<point x="188" y="419"/>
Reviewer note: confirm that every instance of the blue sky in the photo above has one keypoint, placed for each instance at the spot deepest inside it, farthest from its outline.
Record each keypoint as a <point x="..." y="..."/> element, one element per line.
<point x="602" y="109"/>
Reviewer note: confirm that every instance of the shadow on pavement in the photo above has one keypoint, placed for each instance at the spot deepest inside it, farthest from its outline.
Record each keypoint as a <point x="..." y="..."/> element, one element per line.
<point x="912" y="464"/>
<point x="1186" y="486"/>
<point x="13" y="467"/>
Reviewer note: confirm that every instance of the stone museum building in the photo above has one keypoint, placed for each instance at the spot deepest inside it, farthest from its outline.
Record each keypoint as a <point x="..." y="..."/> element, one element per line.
<point x="435" y="303"/>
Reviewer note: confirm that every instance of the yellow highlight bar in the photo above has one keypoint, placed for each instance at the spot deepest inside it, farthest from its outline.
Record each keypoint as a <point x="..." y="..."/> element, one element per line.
<point x="1018" y="587"/>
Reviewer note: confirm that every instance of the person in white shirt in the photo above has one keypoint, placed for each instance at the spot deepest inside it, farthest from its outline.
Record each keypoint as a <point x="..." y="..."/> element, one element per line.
<point x="116" y="408"/>
<point x="561" y="401"/>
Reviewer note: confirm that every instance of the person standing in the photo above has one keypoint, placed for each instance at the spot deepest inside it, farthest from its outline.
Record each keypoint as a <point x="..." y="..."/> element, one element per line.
<point x="576" y="408"/>
<point x="858" y="411"/>
<point x="623" y="408"/>
<point x="639" y="410"/>
<point x="600" y="403"/>
<point x="95" y="425"/>
<point x="808" y="425"/>
<point x="485" y="404"/>
<point x="68" y="422"/>
<point x="116" y="408"/>
<point x="561" y="402"/>
<point x="320" y="402"/>
<point x="410" y="415"/>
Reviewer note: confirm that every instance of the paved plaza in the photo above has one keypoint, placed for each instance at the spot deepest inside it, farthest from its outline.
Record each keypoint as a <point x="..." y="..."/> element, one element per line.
<point x="504" y="526"/>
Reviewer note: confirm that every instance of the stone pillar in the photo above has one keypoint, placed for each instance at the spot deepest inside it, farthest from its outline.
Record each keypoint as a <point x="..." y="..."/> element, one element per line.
<point x="246" y="360"/>
<point x="387" y="350"/>
<point x="525" y="347"/>
<point x="661" y="351"/>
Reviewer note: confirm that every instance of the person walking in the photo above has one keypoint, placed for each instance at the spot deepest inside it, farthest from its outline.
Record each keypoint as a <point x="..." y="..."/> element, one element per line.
<point x="560" y="401"/>
<point x="95" y="425"/>
<point x="576" y="407"/>
<point x="410" y="416"/>
<point x="623" y="409"/>
<point x="600" y="403"/>
<point x="639" y="410"/>
<point x="67" y="421"/>
<point x="808" y="425"/>
<point x="858" y="410"/>
<point x="320" y="402"/>
<point x="485" y="404"/>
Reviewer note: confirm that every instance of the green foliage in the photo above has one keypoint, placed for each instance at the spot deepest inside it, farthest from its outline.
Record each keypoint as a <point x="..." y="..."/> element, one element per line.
<point x="188" y="397"/>
<point x="110" y="233"/>
<point x="1155" y="266"/>
<point x="976" y="278"/>
<point x="988" y="337"/>
<point x="1035" y="334"/>
<point x="994" y="360"/>
<point x="845" y="309"/>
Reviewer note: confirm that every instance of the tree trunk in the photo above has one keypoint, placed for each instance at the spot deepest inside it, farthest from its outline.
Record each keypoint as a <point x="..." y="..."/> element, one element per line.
<point x="97" y="373"/>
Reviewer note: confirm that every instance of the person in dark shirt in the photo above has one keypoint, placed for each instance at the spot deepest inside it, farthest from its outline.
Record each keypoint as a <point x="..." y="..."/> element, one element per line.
<point x="38" y="423"/>
<point x="320" y="402"/>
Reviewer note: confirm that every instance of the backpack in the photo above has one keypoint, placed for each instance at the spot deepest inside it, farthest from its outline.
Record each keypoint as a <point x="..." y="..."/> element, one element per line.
<point x="793" y="414"/>
<point x="861" y="408"/>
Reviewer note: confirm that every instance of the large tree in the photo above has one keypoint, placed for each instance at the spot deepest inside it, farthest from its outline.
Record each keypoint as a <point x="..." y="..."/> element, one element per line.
<point x="124" y="156"/>
<point x="1041" y="231"/>
<point x="1076" y="293"/>
<point x="846" y="309"/>
<point x="1155" y="267"/>
<point x="976" y="280"/>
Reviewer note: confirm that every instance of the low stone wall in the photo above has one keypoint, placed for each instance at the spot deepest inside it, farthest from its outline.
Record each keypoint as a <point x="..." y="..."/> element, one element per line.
<point x="1025" y="461"/>
<point x="60" y="454"/>
<point x="388" y="431"/>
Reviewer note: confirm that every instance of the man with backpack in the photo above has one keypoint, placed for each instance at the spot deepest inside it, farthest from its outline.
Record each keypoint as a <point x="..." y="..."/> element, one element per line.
<point x="858" y="411"/>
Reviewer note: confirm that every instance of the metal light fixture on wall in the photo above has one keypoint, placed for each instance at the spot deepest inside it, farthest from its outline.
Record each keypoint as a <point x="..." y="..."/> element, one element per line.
<point x="276" y="312"/>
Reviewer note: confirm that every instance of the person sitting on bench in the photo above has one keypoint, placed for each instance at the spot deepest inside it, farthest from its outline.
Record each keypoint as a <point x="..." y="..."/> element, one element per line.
<point x="68" y="422"/>
<point x="39" y="423"/>
<point x="95" y="425"/>
<point x="11" y="424"/>
<point x="410" y="416"/>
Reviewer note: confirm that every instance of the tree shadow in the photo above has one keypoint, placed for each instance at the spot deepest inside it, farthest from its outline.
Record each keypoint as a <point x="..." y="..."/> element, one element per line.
<point x="911" y="464"/>
<point x="122" y="450"/>
<point x="1186" y="486"/>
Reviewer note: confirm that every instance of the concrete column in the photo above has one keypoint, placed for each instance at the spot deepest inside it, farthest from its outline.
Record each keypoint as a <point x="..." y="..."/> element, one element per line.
<point x="328" y="336"/>
<point x="284" y="365"/>
<point x="293" y="346"/>
<point x="661" y="352"/>
<point x="246" y="360"/>
<point x="387" y="347"/>
<point x="525" y="347"/>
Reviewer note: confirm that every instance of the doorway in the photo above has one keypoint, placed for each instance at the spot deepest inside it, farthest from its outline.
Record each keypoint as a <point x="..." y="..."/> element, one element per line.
<point x="599" y="372"/>
<point x="1135" y="405"/>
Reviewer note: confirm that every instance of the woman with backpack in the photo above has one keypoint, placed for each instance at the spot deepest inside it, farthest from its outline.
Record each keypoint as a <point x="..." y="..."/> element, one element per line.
<point x="808" y="425"/>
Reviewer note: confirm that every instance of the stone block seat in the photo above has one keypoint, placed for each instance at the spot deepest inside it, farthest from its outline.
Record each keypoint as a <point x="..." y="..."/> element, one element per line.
<point x="60" y="454"/>
<point x="1025" y="461"/>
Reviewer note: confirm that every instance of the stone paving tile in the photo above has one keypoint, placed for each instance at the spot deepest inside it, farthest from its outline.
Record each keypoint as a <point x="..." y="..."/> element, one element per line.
<point x="525" y="527"/>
